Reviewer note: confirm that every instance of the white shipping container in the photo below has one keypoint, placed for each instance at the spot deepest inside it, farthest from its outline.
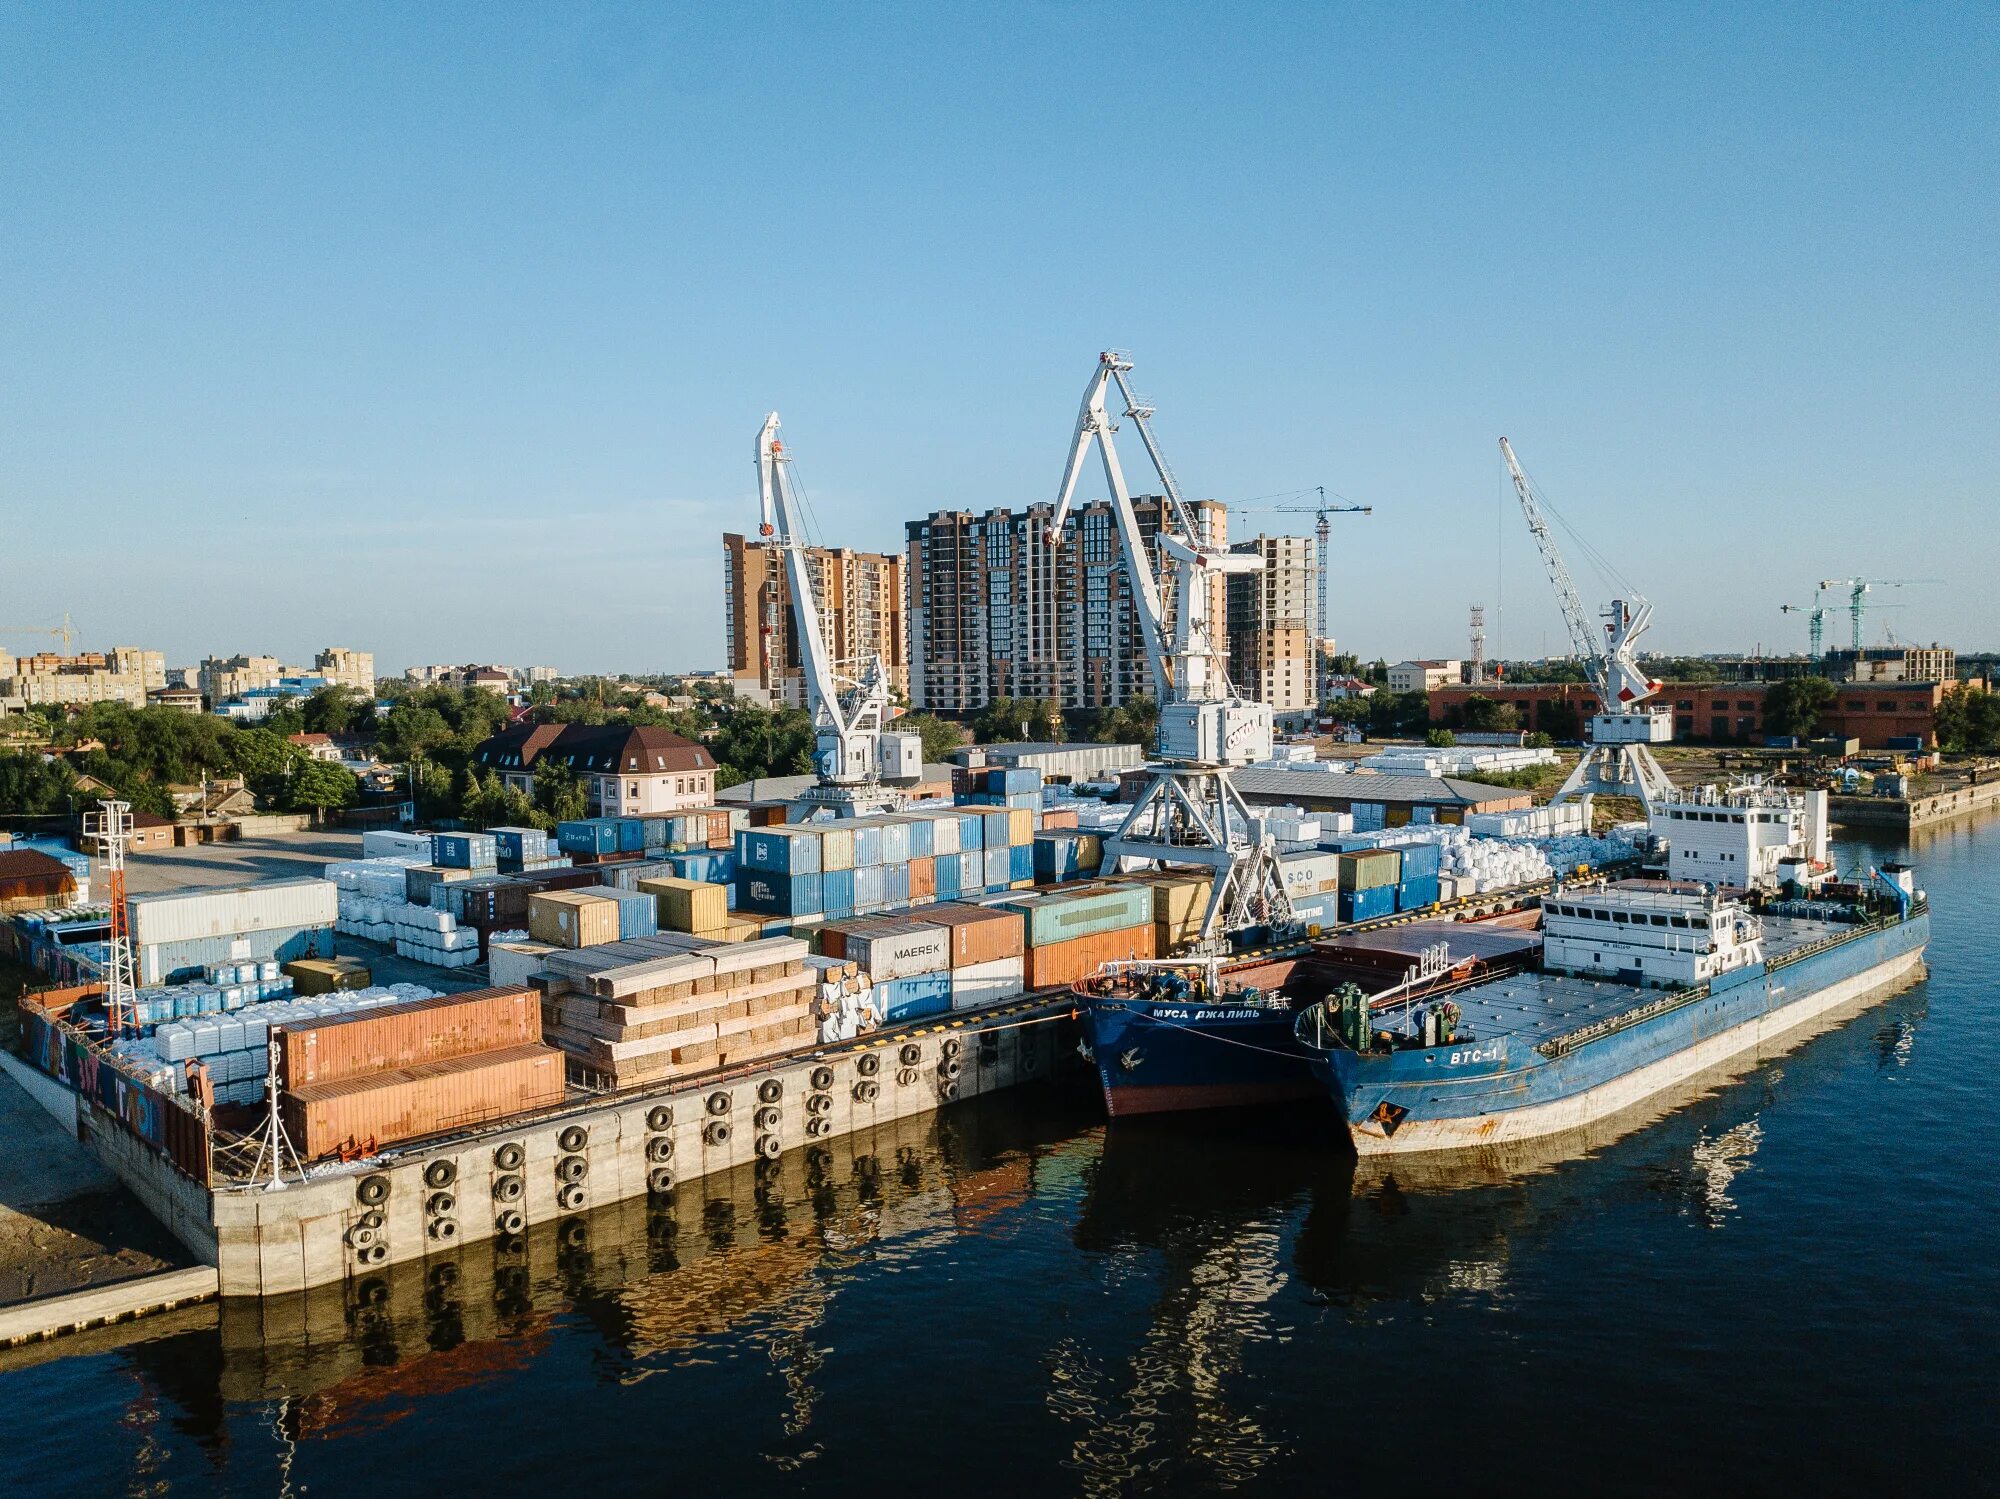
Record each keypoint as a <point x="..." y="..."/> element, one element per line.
<point x="388" y="843"/>
<point x="513" y="964"/>
<point x="189" y="915"/>
<point x="987" y="983"/>
<point x="901" y="950"/>
<point x="1309" y="874"/>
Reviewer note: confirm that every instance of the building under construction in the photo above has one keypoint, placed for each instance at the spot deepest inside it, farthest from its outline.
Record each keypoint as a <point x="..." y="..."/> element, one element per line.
<point x="1270" y="624"/>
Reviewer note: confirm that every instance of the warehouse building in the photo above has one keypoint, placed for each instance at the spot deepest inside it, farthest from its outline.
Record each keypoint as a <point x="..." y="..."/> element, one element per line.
<point x="1056" y="762"/>
<point x="1378" y="800"/>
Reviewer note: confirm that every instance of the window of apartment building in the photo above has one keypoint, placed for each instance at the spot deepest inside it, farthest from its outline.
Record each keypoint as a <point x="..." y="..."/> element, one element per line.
<point x="1885" y="707"/>
<point x="1685" y="705"/>
<point x="1746" y="707"/>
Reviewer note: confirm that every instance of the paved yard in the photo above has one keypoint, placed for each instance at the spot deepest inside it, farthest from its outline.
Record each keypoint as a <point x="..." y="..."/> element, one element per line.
<point x="276" y="857"/>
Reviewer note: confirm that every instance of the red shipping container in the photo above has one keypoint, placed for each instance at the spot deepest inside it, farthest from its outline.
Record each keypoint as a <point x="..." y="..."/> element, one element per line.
<point x="1062" y="963"/>
<point x="408" y="1102"/>
<point x="428" y="1030"/>
<point x="923" y="876"/>
<point x="979" y="934"/>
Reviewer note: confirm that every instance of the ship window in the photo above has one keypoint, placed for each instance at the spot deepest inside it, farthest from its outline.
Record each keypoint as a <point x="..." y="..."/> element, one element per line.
<point x="1659" y="921"/>
<point x="1679" y="921"/>
<point x="1601" y="915"/>
<point x="1619" y="916"/>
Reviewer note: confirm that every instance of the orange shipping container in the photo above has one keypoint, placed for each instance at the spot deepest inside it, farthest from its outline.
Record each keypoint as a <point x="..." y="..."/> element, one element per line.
<point x="1058" y="818"/>
<point x="428" y="1030"/>
<point x="570" y="918"/>
<point x="980" y="934"/>
<point x="405" y="1103"/>
<point x="923" y="876"/>
<point x="1061" y="963"/>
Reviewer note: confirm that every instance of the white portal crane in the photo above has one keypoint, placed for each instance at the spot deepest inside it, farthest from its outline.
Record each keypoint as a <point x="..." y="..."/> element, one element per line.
<point x="1190" y="812"/>
<point x="1616" y="760"/>
<point x="860" y="763"/>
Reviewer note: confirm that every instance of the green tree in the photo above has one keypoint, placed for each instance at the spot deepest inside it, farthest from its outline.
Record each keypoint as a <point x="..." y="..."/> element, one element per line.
<point x="1539" y="740"/>
<point x="319" y="786"/>
<point x="1481" y="714"/>
<point x="1136" y="722"/>
<point x="1440" y="738"/>
<point x="1968" y="721"/>
<point x="31" y="786"/>
<point x="338" y="710"/>
<point x="1002" y="721"/>
<point x="940" y="739"/>
<point x="1796" y="705"/>
<point x="559" y="792"/>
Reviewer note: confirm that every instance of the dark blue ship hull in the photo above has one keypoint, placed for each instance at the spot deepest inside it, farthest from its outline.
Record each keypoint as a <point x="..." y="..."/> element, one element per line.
<point x="1158" y="1056"/>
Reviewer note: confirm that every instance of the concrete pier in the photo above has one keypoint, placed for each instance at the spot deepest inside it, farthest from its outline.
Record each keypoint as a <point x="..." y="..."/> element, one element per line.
<point x="54" y="1316"/>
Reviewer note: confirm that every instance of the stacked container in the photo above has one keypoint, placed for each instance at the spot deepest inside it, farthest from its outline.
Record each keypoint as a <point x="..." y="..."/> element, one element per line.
<point x="908" y="963"/>
<point x="1071" y="933"/>
<point x="465" y="850"/>
<point x="1368" y="880"/>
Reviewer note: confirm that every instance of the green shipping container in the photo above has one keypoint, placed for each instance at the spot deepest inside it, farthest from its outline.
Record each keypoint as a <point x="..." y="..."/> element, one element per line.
<point x="1370" y="869"/>
<point x="1062" y="917"/>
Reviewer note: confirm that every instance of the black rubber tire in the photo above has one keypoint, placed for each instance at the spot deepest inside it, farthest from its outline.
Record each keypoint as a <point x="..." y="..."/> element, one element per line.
<point x="361" y="1236"/>
<point x="509" y="1156"/>
<point x="441" y="1204"/>
<point x="660" y="1117"/>
<point x="868" y="1064"/>
<point x="570" y="1197"/>
<point x="1030" y="1060"/>
<point x="572" y="1168"/>
<point x="444" y="1230"/>
<point x="822" y="1078"/>
<point x="372" y="1191"/>
<point x="768" y="1118"/>
<point x="911" y="1054"/>
<point x="949" y="1069"/>
<point x="508" y="1188"/>
<point x="951" y="1046"/>
<point x="660" y="1148"/>
<point x="947" y="1091"/>
<point x="718" y="1104"/>
<point x="715" y="1132"/>
<point x="867" y="1090"/>
<point x="372" y="1218"/>
<point x="660" y="1180"/>
<point x="770" y="1147"/>
<point x="574" y="1138"/>
<point x="818" y="1127"/>
<point x="819" y="1103"/>
<point x="510" y="1222"/>
<point x="906" y="1075"/>
<point x="770" y="1090"/>
<point x="374" y="1254"/>
<point x="440" y="1173"/>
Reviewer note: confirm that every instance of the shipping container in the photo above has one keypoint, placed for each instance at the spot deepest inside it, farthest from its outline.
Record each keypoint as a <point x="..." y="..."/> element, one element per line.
<point x="405" y="1035"/>
<point x="999" y="862"/>
<point x="464" y="850"/>
<point x="161" y="962"/>
<point x="1021" y="864"/>
<point x="1308" y="873"/>
<point x="896" y="884"/>
<point x="789" y="850"/>
<point x="770" y="892"/>
<point x="1416" y="892"/>
<point x="1366" y="905"/>
<point x="594" y="835"/>
<point x="312" y="976"/>
<point x="1371" y="869"/>
<point x="514" y="963"/>
<point x="871" y="886"/>
<point x="979" y="984"/>
<point x="638" y="912"/>
<point x="836" y="849"/>
<point x="995" y="832"/>
<point x="1060" y="915"/>
<point x="711" y="866"/>
<point x="569" y="877"/>
<point x="971" y="832"/>
<point x="1063" y="963"/>
<point x="944" y="876"/>
<point x="688" y="905"/>
<point x="389" y="843"/>
<point x="517" y="844"/>
<point x="184" y="915"/>
<point x="572" y="918"/>
<point x="886" y="947"/>
<point x="1058" y="817"/>
<point x="980" y="934"/>
<point x="944" y="832"/>
<point x="895" y="841"/>
<point x="836" y="891"/>
<point x="411" y="1102"/>
<point x="923" y="836"/>
<point x="1420" y="859"/>
<point x="911" y="998"/>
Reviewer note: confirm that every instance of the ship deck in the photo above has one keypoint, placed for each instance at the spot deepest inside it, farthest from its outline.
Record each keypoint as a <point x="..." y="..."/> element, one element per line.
<point x="1539" y="1007"/>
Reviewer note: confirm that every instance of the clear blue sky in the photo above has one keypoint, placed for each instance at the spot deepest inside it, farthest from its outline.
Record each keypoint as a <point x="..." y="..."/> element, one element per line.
<point x="446" y="331"/>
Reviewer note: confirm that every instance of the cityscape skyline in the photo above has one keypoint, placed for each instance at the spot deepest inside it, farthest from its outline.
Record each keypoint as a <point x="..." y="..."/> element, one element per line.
<point x="457" y="348"/>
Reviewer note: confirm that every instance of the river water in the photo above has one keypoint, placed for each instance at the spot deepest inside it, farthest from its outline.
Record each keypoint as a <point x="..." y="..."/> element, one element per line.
<point x="1786" y="1283"/>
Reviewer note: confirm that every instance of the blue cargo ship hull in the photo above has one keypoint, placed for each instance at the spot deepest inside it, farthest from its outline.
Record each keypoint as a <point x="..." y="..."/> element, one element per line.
<point x="1601" y="1054"/>
<point x="1156" y="1056"/>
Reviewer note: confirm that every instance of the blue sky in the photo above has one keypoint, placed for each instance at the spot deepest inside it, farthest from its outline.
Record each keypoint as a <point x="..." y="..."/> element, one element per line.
<point x="446" y="331"/>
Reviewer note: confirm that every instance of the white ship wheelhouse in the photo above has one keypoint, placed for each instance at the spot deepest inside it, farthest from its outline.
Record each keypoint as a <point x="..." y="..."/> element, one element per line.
<point x="1658" y="938"/>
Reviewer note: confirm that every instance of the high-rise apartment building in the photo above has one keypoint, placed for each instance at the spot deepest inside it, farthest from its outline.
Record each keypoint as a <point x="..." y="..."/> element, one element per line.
<point x="124" y="674"/>
<point x="995" y="612"/>
<point x="345" y="668"/>
<point x="1270" y="624"/>
<point x="862" y="614"/>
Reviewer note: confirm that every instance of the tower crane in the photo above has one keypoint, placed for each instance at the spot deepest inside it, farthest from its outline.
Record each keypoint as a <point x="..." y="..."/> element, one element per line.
<point x="1815" y="622"/>
<point x="860" y="763"/>
<point x="1616" y="760"/>
<point x="1322" y="544"/>
<point x="1190" y="811"/>
<point x="65" y="632"/>
<point x="1858" y="590"/>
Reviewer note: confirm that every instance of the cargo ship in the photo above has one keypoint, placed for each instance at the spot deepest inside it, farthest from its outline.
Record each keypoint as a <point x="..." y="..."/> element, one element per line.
<point x="1640" y="985"/>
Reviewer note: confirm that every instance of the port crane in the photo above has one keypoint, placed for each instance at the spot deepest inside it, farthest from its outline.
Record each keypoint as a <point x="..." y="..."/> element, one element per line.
<point x="1616" y="759"/>
<point x="1322" y="544"/>
<point x="1190" y="811"/>
<point x="862" y="765"/>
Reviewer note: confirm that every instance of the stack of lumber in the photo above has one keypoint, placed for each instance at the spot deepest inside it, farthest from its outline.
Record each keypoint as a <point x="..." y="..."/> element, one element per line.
<point x="651" y="1017"/>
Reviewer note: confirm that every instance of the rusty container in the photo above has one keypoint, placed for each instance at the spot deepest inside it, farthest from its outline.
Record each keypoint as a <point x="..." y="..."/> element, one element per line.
<point x="980" y="934"/>
<point x="405" y="1103"/>
<point x="1061" y="963"/>
<point x="427" y="1030"/>
<point x="923" y="876"/>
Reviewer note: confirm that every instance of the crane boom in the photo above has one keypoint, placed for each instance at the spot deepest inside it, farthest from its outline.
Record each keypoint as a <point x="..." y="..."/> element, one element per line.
<point x="1588" y="645"/>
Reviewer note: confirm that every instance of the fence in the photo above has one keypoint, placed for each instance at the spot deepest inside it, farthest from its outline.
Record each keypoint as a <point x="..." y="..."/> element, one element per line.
<point x="162" y="1120"/>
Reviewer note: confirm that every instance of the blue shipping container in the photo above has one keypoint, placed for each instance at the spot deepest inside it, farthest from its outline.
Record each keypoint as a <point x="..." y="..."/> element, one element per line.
<point x="1020" y="862"/>
<point x="1321" y="910"/>
<point x="793" y="850"/>
<point x="836" y="888"/>
<point x="895" y="843"/>
<point x="770" y="892"/>
<point x="867" y="843"/>
<point x="923" y="840"/>
<point x="1420" y="859"/>
<point x="998" y="862"/>
<point x="593" y="836"/>
<point x="896" y="884"/>
<point x="996" y="830"/>
<point x="1366" y="905"/>
<point x="712" y="866"/>
<point x="947" y="868"/>
<point x="464" y="850"/>
<point x="631" y="835"/>
<point x="1416" y="892"/>
<point x="871" y="887"/>
<point x="913" y="997"/>
<point x="971" y="832"/>
<point x="1021" y="780"/>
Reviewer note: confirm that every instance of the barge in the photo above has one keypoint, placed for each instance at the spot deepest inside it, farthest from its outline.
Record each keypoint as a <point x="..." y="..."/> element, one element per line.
<point x="1641" y="986"/>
